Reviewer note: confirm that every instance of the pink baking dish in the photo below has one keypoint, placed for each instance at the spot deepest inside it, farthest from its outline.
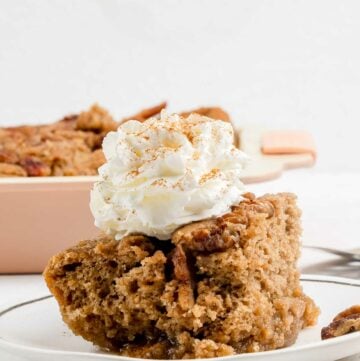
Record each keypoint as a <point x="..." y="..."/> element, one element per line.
<point x="40" y="217"/>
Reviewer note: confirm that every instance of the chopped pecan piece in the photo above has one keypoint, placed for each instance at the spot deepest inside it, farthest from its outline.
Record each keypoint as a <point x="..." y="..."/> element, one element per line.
<point x="146" y="113"/>
<point x="181" y="268"/>
<point x="11" y="170"/>
<point x="67" y="123"/>
<point x="184" y="276"/>
<point x="256" y="205"/>
<point x="203" y="236"/>
<point x="6" y="156"/>
<point x="35" y="168"/>
<point x="345" y="322"/>
<point x="349" y="311"/>
<point x="211" y="112"/>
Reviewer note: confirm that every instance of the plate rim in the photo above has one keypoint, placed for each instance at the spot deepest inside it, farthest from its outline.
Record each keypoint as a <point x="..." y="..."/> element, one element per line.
<point x="8" y="345"/>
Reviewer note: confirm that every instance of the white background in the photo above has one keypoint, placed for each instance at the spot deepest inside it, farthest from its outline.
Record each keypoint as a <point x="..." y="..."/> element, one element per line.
<point x="285" y="64"/>
<point x="280" y="64"/>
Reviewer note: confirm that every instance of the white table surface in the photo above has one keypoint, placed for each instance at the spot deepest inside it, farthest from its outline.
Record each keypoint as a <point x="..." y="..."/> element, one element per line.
<point x="331" y="217"/>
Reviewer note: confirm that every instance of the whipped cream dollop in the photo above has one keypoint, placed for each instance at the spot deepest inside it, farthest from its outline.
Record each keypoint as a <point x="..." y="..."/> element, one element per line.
<point x="164" y="173"/>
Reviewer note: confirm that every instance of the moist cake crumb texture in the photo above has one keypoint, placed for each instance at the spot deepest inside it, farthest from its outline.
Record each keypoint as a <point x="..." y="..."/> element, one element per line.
<point x="221" y="286"/>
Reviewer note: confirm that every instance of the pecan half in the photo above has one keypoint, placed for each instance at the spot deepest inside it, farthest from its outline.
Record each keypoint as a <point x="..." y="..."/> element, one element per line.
<point x="345" y="322"/>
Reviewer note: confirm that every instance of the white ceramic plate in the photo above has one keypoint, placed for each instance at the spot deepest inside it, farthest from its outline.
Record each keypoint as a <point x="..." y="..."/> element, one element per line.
<point x="34" y="330"/>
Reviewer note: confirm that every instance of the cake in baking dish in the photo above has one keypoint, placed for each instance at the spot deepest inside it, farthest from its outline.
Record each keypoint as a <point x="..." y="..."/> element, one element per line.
<point x="71" y="146"/>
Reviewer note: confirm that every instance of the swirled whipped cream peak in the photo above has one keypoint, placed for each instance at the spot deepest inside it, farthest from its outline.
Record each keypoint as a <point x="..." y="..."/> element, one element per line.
<point x="164" y="173"/>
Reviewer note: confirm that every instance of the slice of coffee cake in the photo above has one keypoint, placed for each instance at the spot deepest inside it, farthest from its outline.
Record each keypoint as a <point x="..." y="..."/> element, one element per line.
<point x="221" y="286"/>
